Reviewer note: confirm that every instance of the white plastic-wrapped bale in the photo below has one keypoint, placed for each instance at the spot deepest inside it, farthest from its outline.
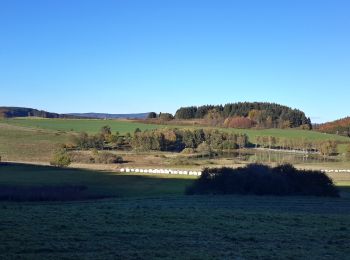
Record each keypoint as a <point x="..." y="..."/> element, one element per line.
<point x="127" y="170"/>
<point x="122" y="170"/>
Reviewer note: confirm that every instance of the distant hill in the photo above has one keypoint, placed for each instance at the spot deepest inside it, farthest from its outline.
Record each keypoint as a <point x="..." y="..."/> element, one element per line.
<point x="340" y="127"/>
<point x="9" y="112"/>
<point x="111" y="116"/>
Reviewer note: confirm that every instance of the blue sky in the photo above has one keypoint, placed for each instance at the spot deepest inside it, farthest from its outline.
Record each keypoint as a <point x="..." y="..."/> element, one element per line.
<point x="139" y="56"/>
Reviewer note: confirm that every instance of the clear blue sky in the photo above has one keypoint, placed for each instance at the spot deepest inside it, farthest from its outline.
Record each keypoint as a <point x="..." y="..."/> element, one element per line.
<point x="138" y="56"/>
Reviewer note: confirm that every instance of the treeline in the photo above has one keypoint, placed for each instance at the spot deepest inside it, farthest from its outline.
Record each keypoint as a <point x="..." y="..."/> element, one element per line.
<point x="247" y="114"/>
<point x="340" y="127"/>
<point x="179" y="139"/>
<point x="176" y="140"/>
<point x="9" y="112"/>
<point x="325" y="148"/>
<point x="192" y="140"/>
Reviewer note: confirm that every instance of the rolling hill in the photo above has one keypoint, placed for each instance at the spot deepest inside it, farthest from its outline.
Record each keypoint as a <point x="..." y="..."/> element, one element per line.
<point x="340" y="127"/>
<point x="10" y="112"/>
<point x="110" y="116"/>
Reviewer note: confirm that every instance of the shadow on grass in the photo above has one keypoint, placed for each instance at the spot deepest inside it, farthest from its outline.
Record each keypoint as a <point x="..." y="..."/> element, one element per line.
<point x="344" y="191"/>
<point x="26" y="182"/>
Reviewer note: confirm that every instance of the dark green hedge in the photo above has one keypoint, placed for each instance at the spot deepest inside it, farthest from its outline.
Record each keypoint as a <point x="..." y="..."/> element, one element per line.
<point x="257" y="179"/>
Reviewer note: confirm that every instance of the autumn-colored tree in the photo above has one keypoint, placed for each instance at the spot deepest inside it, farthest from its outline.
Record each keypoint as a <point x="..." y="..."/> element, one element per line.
<point x="214" y="118"/>
<point x="239" y="122"/>
<point x="60" y="158"/>
<point x="328" y="148"/>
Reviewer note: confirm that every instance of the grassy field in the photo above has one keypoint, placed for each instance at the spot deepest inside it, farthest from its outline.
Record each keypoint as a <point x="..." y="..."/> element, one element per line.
<point x="90" y="126"/>
<point x="27" y="144"/>
<point x="109" y="184"/>
<point x="152" y="219"/>
<point x="123" y="126"/>
<point x="33" y="140"/>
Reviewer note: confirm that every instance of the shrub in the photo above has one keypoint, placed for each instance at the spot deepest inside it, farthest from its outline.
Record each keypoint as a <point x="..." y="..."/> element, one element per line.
<point x="188" y="151"/>
<point x="108" y="158"/>
<point x="60" y="158"/>
<point x="259" y="179"/>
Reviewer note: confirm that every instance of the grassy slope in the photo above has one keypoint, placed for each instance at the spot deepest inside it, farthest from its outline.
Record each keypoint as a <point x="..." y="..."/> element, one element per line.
<point x="90" y="126"/>
<point x="156" y="225"/>
<point x="34" y="139"/>
<point x="123" y="126"/>
<point x="25" y="144"/>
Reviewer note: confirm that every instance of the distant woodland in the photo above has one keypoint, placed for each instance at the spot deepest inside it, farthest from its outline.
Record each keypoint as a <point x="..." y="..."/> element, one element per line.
<point x="9" y="112"/>
<point x="340" y="127"/>
<point x="243" y="115"/>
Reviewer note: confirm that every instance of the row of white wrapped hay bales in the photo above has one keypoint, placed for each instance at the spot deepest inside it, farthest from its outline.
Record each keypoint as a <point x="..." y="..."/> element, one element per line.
<point x="336" y="171"/>
<point x="160" y="171"/>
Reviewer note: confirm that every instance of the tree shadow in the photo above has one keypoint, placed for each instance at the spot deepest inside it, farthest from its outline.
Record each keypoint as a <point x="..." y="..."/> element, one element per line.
<point x="27" y="182"/>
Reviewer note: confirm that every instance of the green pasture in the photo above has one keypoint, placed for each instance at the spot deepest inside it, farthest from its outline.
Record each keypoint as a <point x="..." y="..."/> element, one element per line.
<point x="124" y="126"/>
<point x="150" y="218"/>
<point x="109" y="184"/>
<point x="28" y="144"/>
<point x="90" y="126"/>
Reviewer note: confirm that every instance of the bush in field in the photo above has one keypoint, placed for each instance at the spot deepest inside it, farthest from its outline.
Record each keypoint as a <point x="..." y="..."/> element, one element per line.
<point x="95" y="157"/>
<point x="204" y="149"/>
<point x="257" y="179"/>
<point x="60" y="158"/>
<point x="108" y="158"/>
<point x="188" y="151"/>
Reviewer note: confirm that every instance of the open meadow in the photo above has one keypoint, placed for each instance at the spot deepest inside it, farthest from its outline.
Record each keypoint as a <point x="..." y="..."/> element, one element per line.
<point x="99" y="213"/>
<point x="150" y="217"/>
<point x="34" y="140"/>
<point x="93" y="126"/>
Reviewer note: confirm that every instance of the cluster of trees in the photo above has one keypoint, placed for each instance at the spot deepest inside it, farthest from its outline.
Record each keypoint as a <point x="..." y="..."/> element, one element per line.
<point x="173" y="139"/>
<point x="160" y="116"/>
<point x="248" y="114"/>
<point x="161" y="140"/>
<point x="259" y="179"/>
<point x="180" y="139"/>
<point x="328" y="147"/>
<point x="104" y="139"/>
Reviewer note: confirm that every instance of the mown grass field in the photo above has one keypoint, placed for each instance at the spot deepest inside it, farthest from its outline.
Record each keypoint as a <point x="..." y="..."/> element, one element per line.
<point x="109" y="184"/>
<point x="124" y="126"/>
<point x="151" y="219"/>
<point x="90" y="126"/>
<point x="19" y="143"/>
